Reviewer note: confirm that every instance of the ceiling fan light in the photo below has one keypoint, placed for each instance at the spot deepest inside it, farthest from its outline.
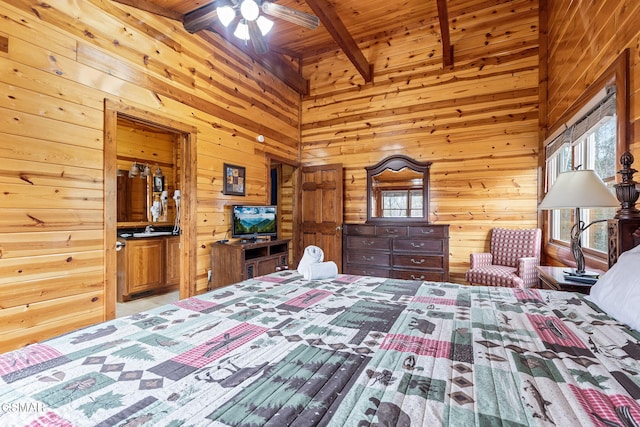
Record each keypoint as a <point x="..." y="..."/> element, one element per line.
<point x="249" y="10"/>
<point x="242" y="31"/>
<point x="265" y="25"/>
<point x="226" y="14"/>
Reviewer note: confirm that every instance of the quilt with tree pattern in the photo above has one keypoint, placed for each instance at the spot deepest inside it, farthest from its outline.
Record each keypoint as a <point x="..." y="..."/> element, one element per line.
<point x="279" y="350"/>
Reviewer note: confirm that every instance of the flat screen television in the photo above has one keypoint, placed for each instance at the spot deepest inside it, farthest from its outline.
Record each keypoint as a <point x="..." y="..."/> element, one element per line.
<point x="252" y="221"/>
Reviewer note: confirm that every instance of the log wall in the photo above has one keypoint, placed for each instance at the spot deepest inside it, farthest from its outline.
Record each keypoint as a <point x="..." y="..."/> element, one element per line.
<point x="477" y="121"/>
<point x="58" y="62"/>
<point x="584" y="38"/>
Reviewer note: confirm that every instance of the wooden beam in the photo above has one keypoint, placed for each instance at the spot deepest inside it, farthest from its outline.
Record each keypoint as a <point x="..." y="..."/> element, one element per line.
<point x="334" y="25"/>
<point x="201" y="18"/>
<point x="151" y="7"/>
<point x="447" y="48"/>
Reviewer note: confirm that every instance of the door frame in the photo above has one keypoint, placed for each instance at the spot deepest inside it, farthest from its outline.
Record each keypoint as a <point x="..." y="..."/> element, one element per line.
<point x="186" y="164"/>
<point x="294" y="247"/>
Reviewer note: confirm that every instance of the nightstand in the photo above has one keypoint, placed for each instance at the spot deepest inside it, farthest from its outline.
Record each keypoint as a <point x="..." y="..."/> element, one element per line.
<point x="553" y="278"/>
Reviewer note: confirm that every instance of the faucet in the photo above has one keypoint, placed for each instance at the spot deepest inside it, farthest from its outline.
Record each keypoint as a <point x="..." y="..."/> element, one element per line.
<point x="148" y="228"/>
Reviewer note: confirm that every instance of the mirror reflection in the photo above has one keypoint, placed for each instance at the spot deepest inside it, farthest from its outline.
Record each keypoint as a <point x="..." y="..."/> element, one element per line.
<point x="398" y="189"/>
<point x="132" y="198"/>
<point x="142" y="198"/>
<point x="397" y="193"/>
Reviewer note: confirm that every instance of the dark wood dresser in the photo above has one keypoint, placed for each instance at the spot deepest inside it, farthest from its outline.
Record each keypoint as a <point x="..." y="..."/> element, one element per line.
<point x="414" y="252"/>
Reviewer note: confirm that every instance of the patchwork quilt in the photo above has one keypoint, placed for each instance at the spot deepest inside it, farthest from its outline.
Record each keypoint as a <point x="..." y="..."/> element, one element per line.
<point x="353" y="351"/>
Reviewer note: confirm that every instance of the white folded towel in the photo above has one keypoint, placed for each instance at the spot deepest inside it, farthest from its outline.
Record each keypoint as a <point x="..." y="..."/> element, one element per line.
<point x="312" y="255"/>
<point x="321" y="270"/>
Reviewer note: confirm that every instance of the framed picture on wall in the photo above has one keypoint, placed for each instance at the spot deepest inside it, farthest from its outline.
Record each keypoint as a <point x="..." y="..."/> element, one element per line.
<point x="234" y="180"/>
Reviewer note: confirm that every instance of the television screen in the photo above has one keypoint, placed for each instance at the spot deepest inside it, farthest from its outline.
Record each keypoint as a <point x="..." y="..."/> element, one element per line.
<point x="254" y="221"/>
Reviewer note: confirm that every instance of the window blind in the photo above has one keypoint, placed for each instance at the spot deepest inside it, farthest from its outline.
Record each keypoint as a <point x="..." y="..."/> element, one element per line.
<point x="581" y="123"/>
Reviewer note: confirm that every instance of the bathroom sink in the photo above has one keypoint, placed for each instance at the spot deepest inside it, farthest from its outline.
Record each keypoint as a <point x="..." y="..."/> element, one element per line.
<point x="153" y="234"/>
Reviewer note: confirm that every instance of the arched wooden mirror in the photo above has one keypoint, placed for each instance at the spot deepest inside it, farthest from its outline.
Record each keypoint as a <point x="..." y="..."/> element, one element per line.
<point x="398" y="190"/>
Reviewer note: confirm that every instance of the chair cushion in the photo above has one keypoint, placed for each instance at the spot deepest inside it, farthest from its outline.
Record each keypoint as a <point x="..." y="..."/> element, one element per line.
<point x="508" y="245"/>
<point x="495" y="275"/>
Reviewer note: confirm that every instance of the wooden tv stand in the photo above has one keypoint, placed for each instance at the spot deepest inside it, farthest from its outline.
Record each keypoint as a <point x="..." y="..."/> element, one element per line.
<point x="236" y="261"/>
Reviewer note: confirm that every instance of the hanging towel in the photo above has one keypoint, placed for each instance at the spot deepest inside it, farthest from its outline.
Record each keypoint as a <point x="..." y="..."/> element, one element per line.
<point x="321" y="270"/>
<point x="312" y="255"/>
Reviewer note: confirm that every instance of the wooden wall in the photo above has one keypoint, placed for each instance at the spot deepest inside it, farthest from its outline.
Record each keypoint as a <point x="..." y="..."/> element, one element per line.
<point x="58" y="63"/>
<point x="476" y="121"/>
<point x="584" y="38"/>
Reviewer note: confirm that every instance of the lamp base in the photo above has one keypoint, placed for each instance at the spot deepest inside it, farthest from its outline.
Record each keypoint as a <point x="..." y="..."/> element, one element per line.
<point x="586" y="273"/>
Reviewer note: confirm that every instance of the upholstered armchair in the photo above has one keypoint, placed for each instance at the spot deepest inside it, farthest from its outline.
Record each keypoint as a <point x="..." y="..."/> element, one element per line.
<point x="512" y="262"/>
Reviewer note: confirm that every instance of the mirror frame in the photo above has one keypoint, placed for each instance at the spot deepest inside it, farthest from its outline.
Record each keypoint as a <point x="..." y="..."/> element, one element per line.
<point x="396" y="163"/>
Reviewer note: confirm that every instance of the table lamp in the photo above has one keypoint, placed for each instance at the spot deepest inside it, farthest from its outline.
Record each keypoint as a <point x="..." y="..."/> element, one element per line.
<point x="574" y="190"/>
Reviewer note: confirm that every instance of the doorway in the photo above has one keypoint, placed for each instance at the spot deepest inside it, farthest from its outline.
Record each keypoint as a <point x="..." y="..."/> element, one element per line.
<point x="185" y="180"/>
<point x="283" y="182"/>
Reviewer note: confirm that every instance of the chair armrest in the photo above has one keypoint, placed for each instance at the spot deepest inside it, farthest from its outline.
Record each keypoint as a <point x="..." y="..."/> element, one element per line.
<point x="481" y="259"/>
<point x="527" y="271"/>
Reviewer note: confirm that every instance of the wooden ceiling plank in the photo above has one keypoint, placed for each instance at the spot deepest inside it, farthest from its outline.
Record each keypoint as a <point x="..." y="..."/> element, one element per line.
<point x="150" y="6"/>
<point x="334" y="25"/>
<point x="275" y="64"/>
<point x="447" y="48"/>
<point x="205" y="18"/>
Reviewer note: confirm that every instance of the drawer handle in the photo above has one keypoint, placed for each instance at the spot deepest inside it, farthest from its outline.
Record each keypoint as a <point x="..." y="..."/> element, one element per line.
<point x="413" y="261"/>
<point x="367" y="258"/>
<point x="417" y="245"/>
<point x="427" y="231"/>
<point x="368" y="243"/>
<point x="391" y="230"/>
<point x="417" y="278"/>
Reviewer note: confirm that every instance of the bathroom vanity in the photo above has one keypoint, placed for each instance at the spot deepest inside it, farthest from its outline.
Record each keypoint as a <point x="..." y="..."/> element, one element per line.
<point x="147" y="266"/>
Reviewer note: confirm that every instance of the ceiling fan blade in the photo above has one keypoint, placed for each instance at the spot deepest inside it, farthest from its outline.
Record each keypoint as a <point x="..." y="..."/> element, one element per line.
<point x="258" y="41"/>
<point x="295" y="16"/>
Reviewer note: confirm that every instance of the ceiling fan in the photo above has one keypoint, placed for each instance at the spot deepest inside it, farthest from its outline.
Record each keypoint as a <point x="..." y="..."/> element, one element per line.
<point x="252" y="26"/>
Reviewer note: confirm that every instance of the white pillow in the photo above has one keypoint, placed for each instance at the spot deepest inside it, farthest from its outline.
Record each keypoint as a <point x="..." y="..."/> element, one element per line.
<point x="617" y="292"/>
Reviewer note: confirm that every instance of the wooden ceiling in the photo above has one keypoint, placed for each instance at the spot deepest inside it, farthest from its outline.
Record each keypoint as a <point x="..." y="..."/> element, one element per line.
<point x="347" y="25"/>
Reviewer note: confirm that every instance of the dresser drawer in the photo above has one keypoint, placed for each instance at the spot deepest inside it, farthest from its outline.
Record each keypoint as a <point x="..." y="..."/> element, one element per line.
<point x="418" y="261"/>
<point x="363" y="242"/>
<point x="418" y="246"/>
<point x="359" y="230"/>
<point x="391" y="231"/>
<point x="431" y="276"/>
<point x="369" y="258"/>
<point x="363" y="270"/>
<point x="434" y="232"/>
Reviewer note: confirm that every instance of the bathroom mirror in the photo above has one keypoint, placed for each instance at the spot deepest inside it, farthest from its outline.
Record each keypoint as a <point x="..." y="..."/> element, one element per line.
<point x="136" y="197"/>
<point x="133" y="203"/>
<point x="398" y="190"/>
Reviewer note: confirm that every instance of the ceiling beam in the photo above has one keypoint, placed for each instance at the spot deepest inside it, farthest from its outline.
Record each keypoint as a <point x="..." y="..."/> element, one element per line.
<point x="334" y="25"/>
<point x="149" y="6"/>
<point x="201" y="18"/>
<point x="447" y="48"/>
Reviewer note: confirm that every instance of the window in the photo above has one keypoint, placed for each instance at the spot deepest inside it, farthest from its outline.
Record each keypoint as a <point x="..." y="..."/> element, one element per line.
<point x="590" y="143"/>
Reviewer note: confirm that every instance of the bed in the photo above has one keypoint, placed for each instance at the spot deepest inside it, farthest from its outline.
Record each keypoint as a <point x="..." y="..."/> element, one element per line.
<point x="358" y="351"/>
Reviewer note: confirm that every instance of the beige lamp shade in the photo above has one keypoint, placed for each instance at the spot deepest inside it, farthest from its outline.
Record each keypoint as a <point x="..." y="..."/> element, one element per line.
<point x="578" y="189"/>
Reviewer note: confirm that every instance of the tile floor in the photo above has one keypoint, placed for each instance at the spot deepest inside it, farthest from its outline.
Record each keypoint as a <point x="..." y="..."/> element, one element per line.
<point x="137" y="305"/>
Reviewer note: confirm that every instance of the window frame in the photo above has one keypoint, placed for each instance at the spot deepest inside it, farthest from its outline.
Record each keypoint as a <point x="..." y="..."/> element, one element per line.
<point x="617" y="74"/>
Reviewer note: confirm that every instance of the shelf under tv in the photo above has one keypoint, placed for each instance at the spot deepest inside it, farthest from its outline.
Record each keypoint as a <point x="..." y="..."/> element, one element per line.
<point x="236" y="261"/>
